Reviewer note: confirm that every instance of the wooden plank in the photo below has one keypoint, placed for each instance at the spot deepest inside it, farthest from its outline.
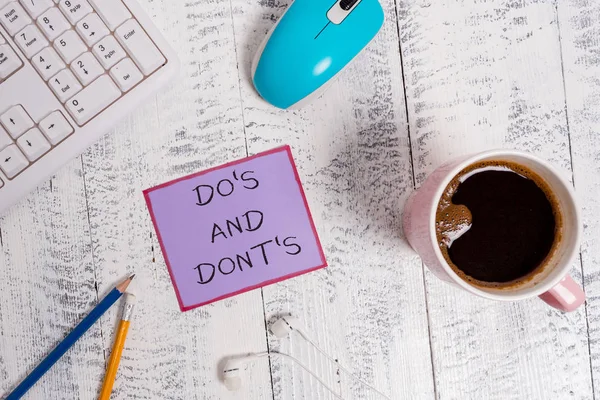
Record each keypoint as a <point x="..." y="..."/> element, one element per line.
<point x="483" y="75"/>
<point x="195" y="124"/>
<point x="47" y="287"/>
<point x="580" y="40"/>
<point x="367" y="309"/>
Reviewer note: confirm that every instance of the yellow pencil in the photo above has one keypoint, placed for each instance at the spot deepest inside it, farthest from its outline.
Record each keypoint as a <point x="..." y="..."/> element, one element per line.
<point x="115" y="356"/>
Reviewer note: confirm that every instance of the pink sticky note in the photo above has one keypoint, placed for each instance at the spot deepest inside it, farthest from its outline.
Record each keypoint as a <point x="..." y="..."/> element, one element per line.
<point x="235" y="228"/>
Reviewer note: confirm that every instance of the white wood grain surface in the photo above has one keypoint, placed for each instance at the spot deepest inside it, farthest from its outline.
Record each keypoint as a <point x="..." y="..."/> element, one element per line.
<point x="580" y="38"/>
<point x="442" y="78"/>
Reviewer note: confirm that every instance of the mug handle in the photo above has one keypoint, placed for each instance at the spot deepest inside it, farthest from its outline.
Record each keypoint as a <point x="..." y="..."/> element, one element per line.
<point x="566" y="296"/>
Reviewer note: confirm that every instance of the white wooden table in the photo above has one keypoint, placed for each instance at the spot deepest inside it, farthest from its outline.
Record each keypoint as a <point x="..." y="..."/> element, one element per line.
<point x="442" y="78"/>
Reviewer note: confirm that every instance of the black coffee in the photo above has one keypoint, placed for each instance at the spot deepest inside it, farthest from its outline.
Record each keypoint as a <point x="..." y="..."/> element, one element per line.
<point x="497" y="223"/>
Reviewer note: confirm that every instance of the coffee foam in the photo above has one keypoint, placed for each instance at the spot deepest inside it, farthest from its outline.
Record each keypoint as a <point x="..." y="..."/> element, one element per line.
<point x="457" y="220"/>
<point x="452" y="220"/>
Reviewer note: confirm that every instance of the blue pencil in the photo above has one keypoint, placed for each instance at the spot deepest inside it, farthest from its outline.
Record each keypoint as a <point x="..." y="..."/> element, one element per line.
<point x="70" y="340"/>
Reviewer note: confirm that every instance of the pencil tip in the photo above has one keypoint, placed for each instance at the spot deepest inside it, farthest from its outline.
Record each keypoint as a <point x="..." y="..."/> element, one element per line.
<point x="123" y="285"/>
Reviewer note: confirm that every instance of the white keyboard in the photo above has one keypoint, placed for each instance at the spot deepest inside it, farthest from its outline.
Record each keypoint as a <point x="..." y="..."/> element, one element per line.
<point x="69" y="70"/>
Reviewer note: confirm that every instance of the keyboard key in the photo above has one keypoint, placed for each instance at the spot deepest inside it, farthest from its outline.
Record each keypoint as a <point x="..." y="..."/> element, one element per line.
<point x="75" y="9"/>
<point x="9" y="61"/>
<point x="113" y="12"/>
<point x="53" y="23"/>
<point x="31" y="40"/>
<point x="109" y="52"/>
<point x="14" y="18"/>
<point x="92" y="29"/>
<point x="36" y="7"/>
<point x="12" y="161"/>
<point x="16" y="121"/>
<point x="33" y="144"/>
<point x="64" y="85"/>
<point x="93" y="99"/>
<point x="126" y="74"/>
<point x="56" y="127"/>
<point x="5" y="140"/>
<point x="4" y="2"/>
<point x="69" y="46"/>
<point x="48" y="63"/>
<point x="137" y="43"/>
<point x="87" y="68"/>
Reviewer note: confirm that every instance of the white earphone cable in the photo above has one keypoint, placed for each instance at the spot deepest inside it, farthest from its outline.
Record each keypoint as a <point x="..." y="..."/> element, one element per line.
<point x="304" y="367"/>
<point x="305" y="337"/>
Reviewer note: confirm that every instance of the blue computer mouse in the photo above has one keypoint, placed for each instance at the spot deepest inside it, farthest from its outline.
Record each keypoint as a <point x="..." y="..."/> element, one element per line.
<point x="310" y="44"/>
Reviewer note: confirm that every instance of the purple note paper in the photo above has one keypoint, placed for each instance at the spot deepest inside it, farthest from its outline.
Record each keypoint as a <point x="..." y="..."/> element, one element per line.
<point x="235" y="228"/>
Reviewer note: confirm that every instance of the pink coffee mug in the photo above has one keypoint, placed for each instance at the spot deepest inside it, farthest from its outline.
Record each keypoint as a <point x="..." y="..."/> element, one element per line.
<point x="553" y="284"/>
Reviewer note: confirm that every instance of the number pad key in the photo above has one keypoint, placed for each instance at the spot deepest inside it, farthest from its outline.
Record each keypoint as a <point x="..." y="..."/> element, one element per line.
<point x="53" y="23"/>
<point x="92" y="29"/>
<point x="12" y="161"/>
<point x="113" y="12"/>
<point x="56" y="127"/>
<point x="48" y="63"/>
<point x="33" y="144"/>
<point x="16" y="121"/>
<point x="64" y="85"/>
<point x="87" y="68"/>
<point x="14" y="18"/>
<point x="90" y="101"/>
<point x="31" y="40"/>
<point x="36" y="7"/>
<point x="139" y="45"/>
<point x="9" y="61"/>
<point x="126" y="74"/>
<point x="75" y="9"/>
<point x="69" y="46"/>
<point x="109" y="52"/>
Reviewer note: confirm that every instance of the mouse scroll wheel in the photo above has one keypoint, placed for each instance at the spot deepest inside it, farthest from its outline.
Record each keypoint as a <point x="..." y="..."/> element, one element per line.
<point x="347" y="4"/>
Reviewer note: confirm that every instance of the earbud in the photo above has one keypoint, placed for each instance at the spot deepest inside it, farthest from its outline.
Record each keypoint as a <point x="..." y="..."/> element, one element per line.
<point x="232" y="378"/>
<point x="232" y="371"/>
<point x="284" y="326"/>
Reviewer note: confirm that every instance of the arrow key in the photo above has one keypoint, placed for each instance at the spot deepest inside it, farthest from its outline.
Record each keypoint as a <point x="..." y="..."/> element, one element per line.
<point x="16" y="121"/>
<point x="5" y="140"/>
<point x="56" y="127"/>
<point x="48" y="63"/>
<point x="12" y="161"/>
<point x="33" y="144"/>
